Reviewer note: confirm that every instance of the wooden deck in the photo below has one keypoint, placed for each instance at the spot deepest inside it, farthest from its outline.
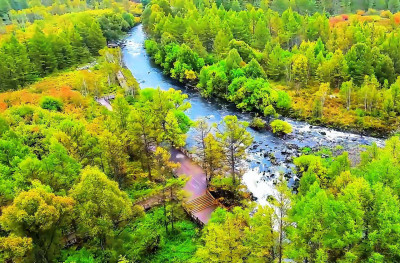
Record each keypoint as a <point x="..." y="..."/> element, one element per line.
<point x="200" y="203"/>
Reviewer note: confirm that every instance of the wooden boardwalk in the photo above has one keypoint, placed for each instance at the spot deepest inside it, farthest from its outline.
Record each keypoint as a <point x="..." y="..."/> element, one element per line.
<point x="200" y="203"/>
<point x="105" y="102"/>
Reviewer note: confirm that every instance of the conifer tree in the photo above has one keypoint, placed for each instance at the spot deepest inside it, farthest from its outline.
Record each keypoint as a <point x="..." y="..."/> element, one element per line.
<point x="41" y="53"/>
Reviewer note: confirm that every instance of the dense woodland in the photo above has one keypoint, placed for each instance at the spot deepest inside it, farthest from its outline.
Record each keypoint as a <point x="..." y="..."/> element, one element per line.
<point x="74" y="175"/>
<point x="277" y="56"/>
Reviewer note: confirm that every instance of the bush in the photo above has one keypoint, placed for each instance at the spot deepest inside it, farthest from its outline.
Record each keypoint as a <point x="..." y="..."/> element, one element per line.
<point x="360" y="112"/>
<point x="386" y="14"/>
<point x="269" y="111"/>
<point x="50" y="103"/>
<point x="281" y="127"/>
<point x="284" y="101"/>
<point x="257" y="123"/>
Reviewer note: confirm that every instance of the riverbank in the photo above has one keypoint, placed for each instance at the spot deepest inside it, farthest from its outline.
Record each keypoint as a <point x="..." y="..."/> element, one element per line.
<point x="245" y="82"/>
<point x="335" y="116"/>
<point x="332" y="120"/>
<point x="270" y="155"/>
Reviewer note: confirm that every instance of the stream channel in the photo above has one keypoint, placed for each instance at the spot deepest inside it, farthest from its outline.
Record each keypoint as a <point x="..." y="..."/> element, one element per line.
<point x="269" y="155"/>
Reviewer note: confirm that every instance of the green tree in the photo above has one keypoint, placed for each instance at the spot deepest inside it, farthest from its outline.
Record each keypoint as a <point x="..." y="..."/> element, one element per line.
<point x="221" y="43"/>
<point x="41" y="216"/>
<point x="261" y="35"/>
<point x="62" y="50"/>
<point x="80" y="50"/>
<point x="359" y="61"/>
<point x="300" y="71"/>
<point x="50" y="103"/>
<point x="101" y="206"/>
<point x="95" y="39"/>
<point x="223" y="242"/>
<point x="235" y="139"/>
<point x="41" y="53"/>
<point x="15" y="66"/>
<point x="141" y="128"/>
<point x="394" y="5"/>
<point x="57" y="169"/>
<point x="254" y="70"/>
<point x="233" y="59"/>
<point x="121" y="111"/>
<point x="333" y="70"/>
<point x="260" y="236"/>
<point x="347" y="90"/>
<point x="282" y="200"/>
<point x="276" y="63"/>
<point x="115" y="158"/>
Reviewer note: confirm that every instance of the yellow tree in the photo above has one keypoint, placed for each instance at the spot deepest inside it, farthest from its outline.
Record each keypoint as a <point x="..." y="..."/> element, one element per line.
<point x="41" y="216"/>
<point x="260" y="236"/>
<point x="299" y="72"/>
<point x="224" y="242"/>
<point x="319" y="100"/>
<point x="15" y="249"/>
<point x="234" y="139"/>
<point x="165" y="169"/>
<point x="101" y="206"/>
<point x="114" y="156"/>
<point x="214" y="156"/>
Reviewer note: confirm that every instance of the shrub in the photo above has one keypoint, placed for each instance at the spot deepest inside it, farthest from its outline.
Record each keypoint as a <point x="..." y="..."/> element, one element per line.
<point x="360" y="12"/>
<point x="360" y="112"/>
<point x="50" y="103"/>
<point x="257" y="123"/>
<point x="306" y="150"/>
<point x="372" y="12"/>
<point x="281" y="127"/>
<point x="386" y="14"/>
<point x="269" y="111"/>
<point x="284" y="100"/>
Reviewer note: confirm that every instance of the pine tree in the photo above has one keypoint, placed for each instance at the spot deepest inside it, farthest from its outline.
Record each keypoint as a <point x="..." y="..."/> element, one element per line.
<point x="41" y="53"/>
<point x="282" y="204"/>
<point x="261" y="35"/>
<point x="4" y="7"/>
<point x="276" y="63"/>
<point x="235" y="139"/>
<point x="15" y="66"/>
<point x="79" y="49"/>
<point x="221" y="43"/>
<point x="95" y="39"/>
<point x="63" y="51"/>
<point x="299" y="71"/>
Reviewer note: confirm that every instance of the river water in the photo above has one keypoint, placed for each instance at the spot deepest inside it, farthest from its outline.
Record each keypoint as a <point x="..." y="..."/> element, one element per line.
<point x="269" y="155"/>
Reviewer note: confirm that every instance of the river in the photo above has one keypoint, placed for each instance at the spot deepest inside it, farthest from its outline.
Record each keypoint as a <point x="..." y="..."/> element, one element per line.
<point x="269" y="155"/>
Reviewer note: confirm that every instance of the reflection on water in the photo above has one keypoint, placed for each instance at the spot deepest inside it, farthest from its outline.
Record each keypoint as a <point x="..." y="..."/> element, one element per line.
<point x="262" y="172"/>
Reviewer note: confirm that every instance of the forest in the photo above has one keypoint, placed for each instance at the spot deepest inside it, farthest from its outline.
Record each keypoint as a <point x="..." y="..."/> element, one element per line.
<point x="332" y="68"/>
<point x="80" y="182"/>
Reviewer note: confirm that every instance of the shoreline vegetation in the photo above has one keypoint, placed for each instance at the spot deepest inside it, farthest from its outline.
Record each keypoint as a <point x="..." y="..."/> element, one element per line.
<point x="296" y="115"/>
<point x="350" y="85"/>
